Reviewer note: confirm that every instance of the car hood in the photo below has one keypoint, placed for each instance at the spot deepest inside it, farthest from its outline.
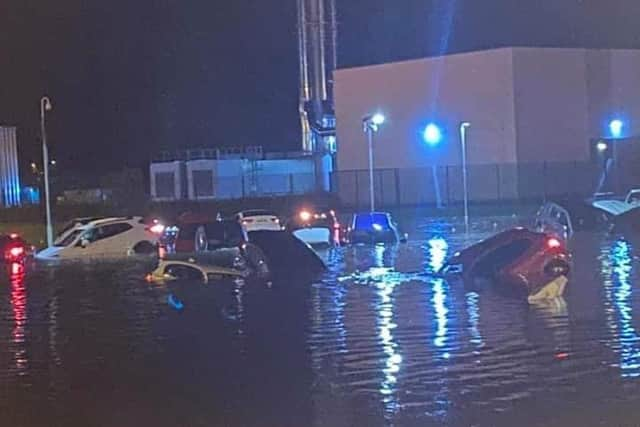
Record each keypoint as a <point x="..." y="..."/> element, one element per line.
<point x="53" y="252"/>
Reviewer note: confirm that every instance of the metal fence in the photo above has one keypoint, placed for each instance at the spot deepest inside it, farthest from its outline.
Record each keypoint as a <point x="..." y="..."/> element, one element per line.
<point x="487" y="183"/>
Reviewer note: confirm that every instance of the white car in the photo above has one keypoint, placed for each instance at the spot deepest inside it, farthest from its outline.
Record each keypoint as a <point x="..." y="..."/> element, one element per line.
<point x="107" y="237"/>
<point x="259" y="219"/>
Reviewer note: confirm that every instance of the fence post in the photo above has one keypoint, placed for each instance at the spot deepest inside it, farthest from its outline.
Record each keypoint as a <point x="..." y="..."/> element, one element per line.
<point x="447" y="179"/>
<point x="357" y="201"/>
<point x="291" y="183"/>
<point x="498" y="182"/>
<point x="544" y="181"/>
<point x="381" y="187"/>
<point x="397" y="184"/>
<point x="242" y="184"/>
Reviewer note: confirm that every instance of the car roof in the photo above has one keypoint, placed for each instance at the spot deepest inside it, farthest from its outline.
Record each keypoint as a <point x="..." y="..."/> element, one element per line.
<point x="106" y="221"/>
<point x="250" y="212"/>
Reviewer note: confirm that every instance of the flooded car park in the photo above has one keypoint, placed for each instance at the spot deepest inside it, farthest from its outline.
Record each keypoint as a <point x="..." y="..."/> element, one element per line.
<point x="373" y="341"/>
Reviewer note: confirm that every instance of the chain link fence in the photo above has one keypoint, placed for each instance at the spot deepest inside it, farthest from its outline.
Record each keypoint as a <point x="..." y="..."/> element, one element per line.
<point x="443" y="185"/>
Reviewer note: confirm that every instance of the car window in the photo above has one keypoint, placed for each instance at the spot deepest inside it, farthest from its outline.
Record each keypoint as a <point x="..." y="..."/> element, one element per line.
<point x="69" y="239"/>
<point x="183" y="272"/>
<point x="107" y="231"/>
<point x="367" y="221"/>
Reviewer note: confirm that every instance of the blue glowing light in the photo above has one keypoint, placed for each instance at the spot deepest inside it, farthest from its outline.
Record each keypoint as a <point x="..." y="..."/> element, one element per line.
<point x="432" y="134"/>
<point x="378" y="119"/>
<point x="615" y="127"/>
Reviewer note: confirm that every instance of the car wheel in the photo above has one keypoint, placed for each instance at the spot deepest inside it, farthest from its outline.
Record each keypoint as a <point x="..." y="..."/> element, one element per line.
<point x="144" y="248"/>
<point x="257" y="261"/>
<point x="201" y="243"/>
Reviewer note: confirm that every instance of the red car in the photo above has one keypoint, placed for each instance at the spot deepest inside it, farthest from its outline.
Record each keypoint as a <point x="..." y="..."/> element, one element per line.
<point x="522" y="260"/>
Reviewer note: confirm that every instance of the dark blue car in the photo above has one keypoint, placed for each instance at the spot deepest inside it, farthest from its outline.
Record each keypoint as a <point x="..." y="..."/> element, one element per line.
<point x="374" y="227"/>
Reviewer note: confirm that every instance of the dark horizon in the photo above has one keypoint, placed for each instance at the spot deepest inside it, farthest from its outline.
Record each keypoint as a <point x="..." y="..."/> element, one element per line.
<point x="128" y="80"/>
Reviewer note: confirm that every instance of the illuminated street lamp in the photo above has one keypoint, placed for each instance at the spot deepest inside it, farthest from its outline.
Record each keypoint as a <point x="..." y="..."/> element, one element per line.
<point x="463" y="141"/>
<point x="615" y="127"/>
<point x="45" y="105"/>
<point x="370" y="125"/>
<point x="601" y="146"/>
<point x="432" y="134"/>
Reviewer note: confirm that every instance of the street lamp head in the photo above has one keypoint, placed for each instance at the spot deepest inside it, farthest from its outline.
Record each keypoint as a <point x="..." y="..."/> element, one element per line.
<point x="465" y="125"/>
<point x="615" y="127"/>
<point x="373" y="122"/>
<point x="46" y="103"/>
<point x="432" y="134"/>
<point x="602" y="146"/>
<point x="378" y="119"/>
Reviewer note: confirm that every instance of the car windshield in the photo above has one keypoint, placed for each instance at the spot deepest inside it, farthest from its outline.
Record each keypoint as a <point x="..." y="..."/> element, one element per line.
<point x="69" y="239"/>
<point x="371" y="221"/>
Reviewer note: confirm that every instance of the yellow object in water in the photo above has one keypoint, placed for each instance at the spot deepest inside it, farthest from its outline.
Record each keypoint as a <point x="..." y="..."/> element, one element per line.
<point x="553" y="289"/>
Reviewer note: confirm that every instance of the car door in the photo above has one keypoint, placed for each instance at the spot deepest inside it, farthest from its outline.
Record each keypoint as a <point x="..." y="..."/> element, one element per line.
<point x="108" y="240"/>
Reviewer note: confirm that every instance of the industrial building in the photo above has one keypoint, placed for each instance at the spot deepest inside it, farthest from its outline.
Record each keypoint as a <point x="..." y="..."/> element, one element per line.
<point x="543" y="121"/>
<point x="209" y="174"/>
<point x="10" y="190"/>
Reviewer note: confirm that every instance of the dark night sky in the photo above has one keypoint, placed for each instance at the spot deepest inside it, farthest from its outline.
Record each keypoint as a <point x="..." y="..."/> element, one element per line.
<point x="129" y="78"/>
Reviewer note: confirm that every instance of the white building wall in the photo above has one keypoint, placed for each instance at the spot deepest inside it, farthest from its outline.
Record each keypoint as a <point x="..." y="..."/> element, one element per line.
<point x="474" y="87"/>
<point x="551" y="105"/>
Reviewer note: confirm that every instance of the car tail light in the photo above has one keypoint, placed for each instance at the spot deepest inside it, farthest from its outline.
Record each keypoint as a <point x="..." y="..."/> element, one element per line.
<point x="15" y="253"/>
<point x="276" y="220"/>
<point x="157" y="229"/>
<point x="247" y="221"/>
<point x="305" y="216"/>
<point x="14" y="236"/>
<point x="553" y="243"/>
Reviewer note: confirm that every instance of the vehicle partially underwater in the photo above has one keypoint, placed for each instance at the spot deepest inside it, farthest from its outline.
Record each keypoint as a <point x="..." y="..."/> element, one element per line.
<point x="517" y="261"/>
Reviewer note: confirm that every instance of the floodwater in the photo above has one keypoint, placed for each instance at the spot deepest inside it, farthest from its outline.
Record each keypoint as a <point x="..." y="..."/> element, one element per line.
<point x="375" y="342"/>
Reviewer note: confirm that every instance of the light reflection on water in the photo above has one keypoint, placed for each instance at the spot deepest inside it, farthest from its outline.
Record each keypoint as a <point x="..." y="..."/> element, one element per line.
<point x="376" y="341"/>
<point x="619" y="292"/>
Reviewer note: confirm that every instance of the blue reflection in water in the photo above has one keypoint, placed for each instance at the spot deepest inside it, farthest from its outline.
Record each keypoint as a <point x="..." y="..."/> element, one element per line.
<point x="439" y="300"/>
<point x="622" y="268"/>
<point x="437" y="253"/>
<point x="389" y="346"/>
<point x="473" y="313"/>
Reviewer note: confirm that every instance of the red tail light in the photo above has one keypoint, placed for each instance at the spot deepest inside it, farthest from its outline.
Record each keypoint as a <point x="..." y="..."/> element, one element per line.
<point x="553" y="243"/>
<point x="15" y="253"/>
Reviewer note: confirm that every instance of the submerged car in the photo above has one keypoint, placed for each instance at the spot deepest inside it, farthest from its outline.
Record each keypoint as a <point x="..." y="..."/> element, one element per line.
<point x="266" y="253"/>
<point x="169" y="270"/>
<point x="566" y="218"/>
<point x="374" y="227"/>
<point x="258" y="219"/>
<point x="107" y="237"/>
<point x="521" y="261"/>
<point x="287" y="256"/>
<point x="316" y="227"/>
<point x="201" y="234"/>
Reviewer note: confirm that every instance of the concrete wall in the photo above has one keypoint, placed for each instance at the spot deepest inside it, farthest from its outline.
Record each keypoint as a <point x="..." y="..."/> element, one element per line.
<point x="551" y="105"/>
<point x="475" y="87"/>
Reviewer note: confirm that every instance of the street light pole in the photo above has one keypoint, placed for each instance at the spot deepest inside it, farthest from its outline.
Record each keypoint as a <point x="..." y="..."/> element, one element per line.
<point x="463" y="140"/>
<point x="371" y="190"/>
<point x="371" y="124"/>
<point x="45" y="105"/>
